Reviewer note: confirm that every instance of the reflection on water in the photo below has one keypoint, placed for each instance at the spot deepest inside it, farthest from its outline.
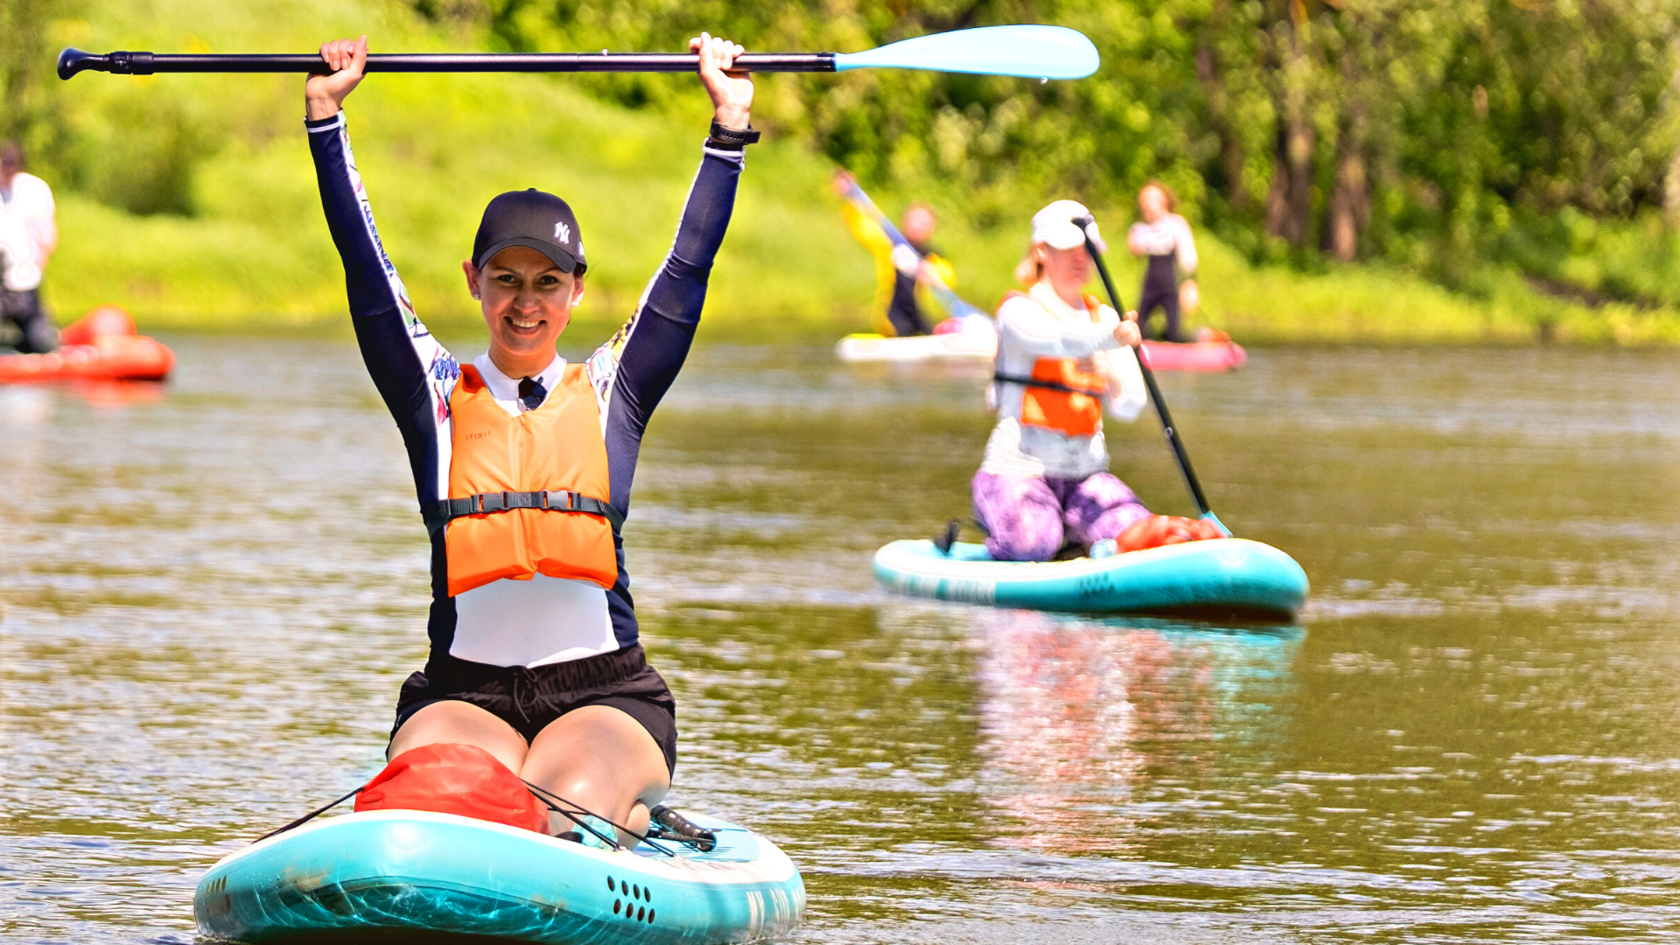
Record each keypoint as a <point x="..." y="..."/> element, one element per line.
<point x="210" y="594"/>
<point x="1076" y="713"/>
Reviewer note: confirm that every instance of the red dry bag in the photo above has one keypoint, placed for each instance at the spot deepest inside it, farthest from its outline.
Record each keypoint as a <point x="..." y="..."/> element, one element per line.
<point x="454" y="779"/>
<point x="1158" y="530"/>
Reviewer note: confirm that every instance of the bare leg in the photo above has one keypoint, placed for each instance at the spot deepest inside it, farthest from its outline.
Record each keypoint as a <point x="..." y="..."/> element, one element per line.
<point x="462" y="724"/>
<point x="600" y="759"/>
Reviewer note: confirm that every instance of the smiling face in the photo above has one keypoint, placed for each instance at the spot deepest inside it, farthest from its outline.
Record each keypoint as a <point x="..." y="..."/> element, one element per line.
<point x="527" y="302"/>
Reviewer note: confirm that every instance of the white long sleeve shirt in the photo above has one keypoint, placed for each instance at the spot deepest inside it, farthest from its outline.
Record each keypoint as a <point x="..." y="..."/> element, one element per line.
<point x="19" y="271"/>
<point x="30" y="201"/>
<point x="1041" y="325"/>
<point x="1169" y="234"/>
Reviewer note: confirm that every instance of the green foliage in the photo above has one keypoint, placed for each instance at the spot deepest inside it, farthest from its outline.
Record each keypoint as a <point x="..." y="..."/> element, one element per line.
<point x="1408" y="130"/>
<point x="26" y="82"/>
<point x="140" y="151"/>
<point x="1183" y="96"/>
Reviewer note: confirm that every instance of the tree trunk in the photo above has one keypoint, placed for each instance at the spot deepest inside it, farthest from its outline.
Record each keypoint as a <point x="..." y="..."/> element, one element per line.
<point x="1219" y="111"/>
<point x="1350" y="204"/>
<point x="1289" y="202"/>
<point x="1277" y="195"/>
<point x="1671" y="183"/>
<point x="1349" y="212"/>
<point x="1301" y="143"/>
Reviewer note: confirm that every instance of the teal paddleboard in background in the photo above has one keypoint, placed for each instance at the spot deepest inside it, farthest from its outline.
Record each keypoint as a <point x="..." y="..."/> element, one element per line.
<point x="413" y="876"/>
<point x="1222" y="576"/>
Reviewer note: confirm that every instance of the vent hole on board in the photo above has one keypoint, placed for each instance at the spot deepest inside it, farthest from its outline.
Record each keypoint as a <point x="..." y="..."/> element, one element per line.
<point x="650" y="917"/>
<point x="610" y="885"/>
<point x="635" y="892"/>
<point x="640" y="913"/>
<point x="647" y="894"/>
<point x="616" y="904"/>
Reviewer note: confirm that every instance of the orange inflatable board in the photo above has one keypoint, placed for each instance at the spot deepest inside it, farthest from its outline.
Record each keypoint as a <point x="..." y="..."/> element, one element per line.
<point x="101" y="345"/>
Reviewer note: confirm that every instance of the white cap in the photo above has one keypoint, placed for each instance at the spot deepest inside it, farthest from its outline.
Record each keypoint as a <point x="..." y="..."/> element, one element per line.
<point x="1054" y="226"/>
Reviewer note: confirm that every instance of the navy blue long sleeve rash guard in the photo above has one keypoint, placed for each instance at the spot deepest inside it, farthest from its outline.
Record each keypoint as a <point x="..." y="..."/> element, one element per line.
<point x="415" y="375"/>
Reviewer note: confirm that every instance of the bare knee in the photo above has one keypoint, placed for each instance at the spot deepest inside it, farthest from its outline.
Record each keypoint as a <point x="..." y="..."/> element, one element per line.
<point x="453" y="722"/>
<point x="600" y="760"/>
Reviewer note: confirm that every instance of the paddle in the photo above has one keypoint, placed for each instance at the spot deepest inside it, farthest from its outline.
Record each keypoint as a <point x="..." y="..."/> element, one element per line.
<point x="1032" y="52"/>
<point x="1086" y="224"/>
<point x="954" y="306"/>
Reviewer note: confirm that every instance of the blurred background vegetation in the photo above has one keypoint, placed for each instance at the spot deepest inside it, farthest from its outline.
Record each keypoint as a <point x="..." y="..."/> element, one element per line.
<point x="1392" y="170"/>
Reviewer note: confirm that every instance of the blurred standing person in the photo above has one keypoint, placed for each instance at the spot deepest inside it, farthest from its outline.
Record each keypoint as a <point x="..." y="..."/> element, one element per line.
<point x="1165" y="238"/>
<point x="899" y="269"/>
<point x="28" y="237"/>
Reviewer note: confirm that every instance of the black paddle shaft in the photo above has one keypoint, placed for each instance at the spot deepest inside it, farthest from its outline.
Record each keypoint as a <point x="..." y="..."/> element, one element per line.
<point x="72" y="61"/>
<point x="1167" y="426"/>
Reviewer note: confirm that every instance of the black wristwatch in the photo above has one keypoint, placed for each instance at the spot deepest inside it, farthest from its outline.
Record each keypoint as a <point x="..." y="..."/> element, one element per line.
<point x="728" y="139"/>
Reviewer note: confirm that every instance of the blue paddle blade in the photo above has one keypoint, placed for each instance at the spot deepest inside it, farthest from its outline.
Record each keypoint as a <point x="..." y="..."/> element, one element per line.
<point x="1031" y="52"/>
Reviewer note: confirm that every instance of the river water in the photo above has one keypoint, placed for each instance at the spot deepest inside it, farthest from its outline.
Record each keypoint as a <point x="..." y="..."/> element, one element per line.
<point x="211" y="592"/>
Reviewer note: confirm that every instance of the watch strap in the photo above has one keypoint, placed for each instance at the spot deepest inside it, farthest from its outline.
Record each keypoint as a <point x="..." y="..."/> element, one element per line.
<point x="728" y="139"/>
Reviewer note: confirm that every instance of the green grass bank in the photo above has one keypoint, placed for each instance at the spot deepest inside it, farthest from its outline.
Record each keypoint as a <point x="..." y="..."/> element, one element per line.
<point x="253" y="254"/>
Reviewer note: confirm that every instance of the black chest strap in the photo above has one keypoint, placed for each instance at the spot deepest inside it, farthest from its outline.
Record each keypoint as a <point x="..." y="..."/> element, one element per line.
<point x="439" y="514"/>
<point x="1046" y="385"/>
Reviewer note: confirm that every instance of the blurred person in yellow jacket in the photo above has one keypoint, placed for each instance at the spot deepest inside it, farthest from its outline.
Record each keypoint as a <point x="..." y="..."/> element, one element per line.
<point x="902" y="269"/>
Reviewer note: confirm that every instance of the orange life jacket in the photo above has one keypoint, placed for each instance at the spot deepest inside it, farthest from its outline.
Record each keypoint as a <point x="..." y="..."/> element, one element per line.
<point x="525" y="490"/>
<point x="1059" y="396"/>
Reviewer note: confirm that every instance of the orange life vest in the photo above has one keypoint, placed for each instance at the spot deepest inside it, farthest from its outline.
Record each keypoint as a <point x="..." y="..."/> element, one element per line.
<point x="525" y="490"/>
<point x="1059" y="396"/>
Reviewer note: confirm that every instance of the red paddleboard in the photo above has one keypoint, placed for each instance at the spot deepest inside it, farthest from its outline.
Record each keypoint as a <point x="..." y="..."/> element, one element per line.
<point x="1194" y="355"/>
<point x="101" y="345"/>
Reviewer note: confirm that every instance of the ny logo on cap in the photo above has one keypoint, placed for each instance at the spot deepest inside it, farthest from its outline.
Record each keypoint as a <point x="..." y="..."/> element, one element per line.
<point x="562" y="233"/>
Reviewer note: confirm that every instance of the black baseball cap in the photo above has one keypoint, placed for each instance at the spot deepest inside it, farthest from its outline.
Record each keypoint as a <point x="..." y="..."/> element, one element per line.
<point x="530" y="218"/>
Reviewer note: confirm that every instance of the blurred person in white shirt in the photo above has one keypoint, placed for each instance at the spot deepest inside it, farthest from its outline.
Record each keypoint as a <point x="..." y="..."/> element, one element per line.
<point x="28" y="238"/>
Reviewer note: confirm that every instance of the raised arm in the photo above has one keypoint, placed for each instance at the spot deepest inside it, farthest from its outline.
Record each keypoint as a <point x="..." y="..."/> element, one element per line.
<point x="413" y="373"/>
<point x="638" y="365"/>
<point x="865" y="230"/>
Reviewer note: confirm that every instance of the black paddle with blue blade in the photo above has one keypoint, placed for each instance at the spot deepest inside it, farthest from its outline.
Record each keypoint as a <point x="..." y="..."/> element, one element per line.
<point x="1030" y="52"/>
<point x="1085" y="225"/>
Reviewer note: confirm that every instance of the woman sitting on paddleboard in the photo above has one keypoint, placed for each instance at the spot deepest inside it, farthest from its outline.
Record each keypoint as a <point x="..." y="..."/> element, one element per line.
<point x="1062" y="356"/>
<point x="523" y="464"/>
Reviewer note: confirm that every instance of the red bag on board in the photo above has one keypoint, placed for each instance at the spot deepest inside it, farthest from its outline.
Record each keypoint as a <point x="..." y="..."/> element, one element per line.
<point x="106" y="321"/>
<point x="1158" y="530"/>
<point x="454" y="779"/>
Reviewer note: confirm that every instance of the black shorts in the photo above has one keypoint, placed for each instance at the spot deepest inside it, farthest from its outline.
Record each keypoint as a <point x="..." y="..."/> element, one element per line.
<point x="530" y="697"/>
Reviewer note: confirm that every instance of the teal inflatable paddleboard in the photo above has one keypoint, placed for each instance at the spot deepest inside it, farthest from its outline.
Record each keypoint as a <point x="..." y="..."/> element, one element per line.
<point x="1221" y="576"/>
<point x="413" y="876"/>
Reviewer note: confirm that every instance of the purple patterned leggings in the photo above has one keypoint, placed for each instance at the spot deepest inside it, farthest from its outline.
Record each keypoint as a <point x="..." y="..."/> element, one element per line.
<point x="1030" y="517"/>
